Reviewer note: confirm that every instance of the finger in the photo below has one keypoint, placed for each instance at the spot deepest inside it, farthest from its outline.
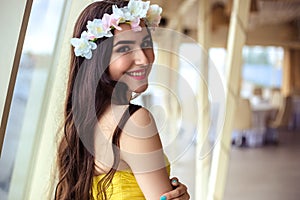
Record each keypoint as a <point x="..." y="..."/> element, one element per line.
<point x="185" y="196"/>
<point x="177" y="192"/>
<point x="174" y="182"/>
<point x="182" y="188"/>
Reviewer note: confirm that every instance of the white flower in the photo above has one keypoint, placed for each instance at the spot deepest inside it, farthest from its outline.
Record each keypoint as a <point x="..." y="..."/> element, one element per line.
<point x="138" y="8"/>
<point x="97" y="28"/>
<point x="118" y="13"/>
<point x="153" y="15"/>
<point x="122" y="14"/>
<point x="82" y="46"/>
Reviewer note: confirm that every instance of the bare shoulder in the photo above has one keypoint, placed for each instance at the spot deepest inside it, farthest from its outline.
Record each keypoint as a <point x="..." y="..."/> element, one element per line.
<point x="142" y="150"/>
<point x="142" y="117"/>
<point x="140" y="134"/>
<point x="140" y="144"/>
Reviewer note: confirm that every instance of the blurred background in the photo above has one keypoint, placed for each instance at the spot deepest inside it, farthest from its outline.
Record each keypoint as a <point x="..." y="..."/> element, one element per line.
<point x="224" y="90"/>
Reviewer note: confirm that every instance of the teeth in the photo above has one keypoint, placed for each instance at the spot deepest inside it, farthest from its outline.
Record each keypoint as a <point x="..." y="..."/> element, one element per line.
<point x="137" y="73"/>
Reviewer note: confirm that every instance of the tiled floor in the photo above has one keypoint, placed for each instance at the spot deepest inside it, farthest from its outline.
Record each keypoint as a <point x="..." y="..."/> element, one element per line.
<point x="261" y="173"/>
<point x="266" y="173"/>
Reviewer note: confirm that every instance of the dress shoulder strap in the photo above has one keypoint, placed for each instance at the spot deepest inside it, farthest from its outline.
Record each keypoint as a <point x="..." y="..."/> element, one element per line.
<point x="118" y="130"/>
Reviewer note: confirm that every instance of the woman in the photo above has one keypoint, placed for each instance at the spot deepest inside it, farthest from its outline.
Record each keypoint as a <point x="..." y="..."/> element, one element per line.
<point x="111" y="148"/>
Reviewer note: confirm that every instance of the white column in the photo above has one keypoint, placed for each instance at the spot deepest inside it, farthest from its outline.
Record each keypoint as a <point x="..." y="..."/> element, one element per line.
<point x="203" y="164"/>
<point x="236" y="41"/>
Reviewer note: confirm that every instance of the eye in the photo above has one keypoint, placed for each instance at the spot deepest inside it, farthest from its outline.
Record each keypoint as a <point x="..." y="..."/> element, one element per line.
<point x="123" y="49"/>
<point x="147" y="44"/>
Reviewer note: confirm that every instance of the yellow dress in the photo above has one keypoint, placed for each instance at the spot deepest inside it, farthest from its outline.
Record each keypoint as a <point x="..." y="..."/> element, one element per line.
<point x="124" y="186"/>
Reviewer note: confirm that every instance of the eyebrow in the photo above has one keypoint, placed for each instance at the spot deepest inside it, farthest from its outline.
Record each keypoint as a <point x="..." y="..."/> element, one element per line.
<point x="130" y="41"/>
<point x="125" y="42"/>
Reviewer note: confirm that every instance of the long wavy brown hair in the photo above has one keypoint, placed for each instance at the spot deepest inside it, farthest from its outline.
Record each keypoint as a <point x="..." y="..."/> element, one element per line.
<point x="89" y="93"/>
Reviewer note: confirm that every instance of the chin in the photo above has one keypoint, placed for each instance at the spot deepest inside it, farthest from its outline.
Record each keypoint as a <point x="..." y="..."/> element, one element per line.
<point x="141" y="88"/>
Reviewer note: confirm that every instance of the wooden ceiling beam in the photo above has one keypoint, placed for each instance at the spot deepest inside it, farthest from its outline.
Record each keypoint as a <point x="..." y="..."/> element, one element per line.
<point x="182" y="9"/>
<point x="288" y="1"/>
<point x="268" y="35"/>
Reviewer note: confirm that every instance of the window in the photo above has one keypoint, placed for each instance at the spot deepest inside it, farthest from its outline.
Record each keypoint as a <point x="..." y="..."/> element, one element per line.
<point x="263" y="65"/>
<point x="28" y="97"/>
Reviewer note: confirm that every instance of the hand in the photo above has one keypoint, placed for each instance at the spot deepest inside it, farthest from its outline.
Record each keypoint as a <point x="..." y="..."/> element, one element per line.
<point x="179" y="192"/>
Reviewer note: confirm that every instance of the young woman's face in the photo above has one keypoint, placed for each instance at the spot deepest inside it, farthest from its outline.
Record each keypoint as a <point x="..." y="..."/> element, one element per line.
<point x="132" y="57"/>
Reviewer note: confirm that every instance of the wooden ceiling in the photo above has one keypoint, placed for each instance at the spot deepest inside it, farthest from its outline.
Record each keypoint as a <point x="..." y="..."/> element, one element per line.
<point x="271" y="22"/>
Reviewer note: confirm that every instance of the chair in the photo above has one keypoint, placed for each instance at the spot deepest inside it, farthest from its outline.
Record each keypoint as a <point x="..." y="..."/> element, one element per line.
<point x="242" y="121"/>
<point x="282" y="120"/>
<point x="276" y="99"/>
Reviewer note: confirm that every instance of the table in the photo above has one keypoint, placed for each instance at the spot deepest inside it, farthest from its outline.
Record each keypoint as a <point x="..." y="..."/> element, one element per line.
<point x="261" y="112"/>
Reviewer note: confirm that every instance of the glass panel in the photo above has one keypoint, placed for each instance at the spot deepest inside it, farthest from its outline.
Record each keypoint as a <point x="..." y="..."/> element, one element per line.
<point x="262" y="69"/>
<point x="30" y="85"/>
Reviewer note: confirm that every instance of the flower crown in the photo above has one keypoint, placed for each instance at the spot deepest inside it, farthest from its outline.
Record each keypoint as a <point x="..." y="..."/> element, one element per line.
<point x="99" y="28"/>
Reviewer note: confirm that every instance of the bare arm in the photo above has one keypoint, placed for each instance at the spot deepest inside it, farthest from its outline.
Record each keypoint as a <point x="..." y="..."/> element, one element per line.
<point x="141" y="148"/>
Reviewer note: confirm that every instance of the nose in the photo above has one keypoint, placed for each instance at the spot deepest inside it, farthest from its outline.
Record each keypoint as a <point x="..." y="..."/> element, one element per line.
<point x="140" y="57"/>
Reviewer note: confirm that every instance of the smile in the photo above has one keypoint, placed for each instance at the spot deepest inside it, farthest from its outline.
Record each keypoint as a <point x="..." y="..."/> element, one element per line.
<point x="138" y="74"/>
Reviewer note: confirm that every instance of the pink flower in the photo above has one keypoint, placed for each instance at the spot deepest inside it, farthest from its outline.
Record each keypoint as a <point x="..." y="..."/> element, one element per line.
<point x="90" y="36"/>
<point x="110" y="21"/>
<point x="135" y="24"/>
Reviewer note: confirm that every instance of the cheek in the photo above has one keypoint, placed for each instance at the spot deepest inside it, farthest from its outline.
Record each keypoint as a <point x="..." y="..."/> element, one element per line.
<point x="150" y="55"/>
<point x="114" y="72"/>
<point x="118" y="67"/>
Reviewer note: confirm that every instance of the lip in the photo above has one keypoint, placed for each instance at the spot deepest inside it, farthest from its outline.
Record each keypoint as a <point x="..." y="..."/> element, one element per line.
<point x="139" y="74"/>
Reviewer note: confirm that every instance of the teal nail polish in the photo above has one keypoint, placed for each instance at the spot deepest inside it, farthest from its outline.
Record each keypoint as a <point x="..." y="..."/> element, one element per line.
<point x="163" y="198"/>
<point x="174" y="181"/>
